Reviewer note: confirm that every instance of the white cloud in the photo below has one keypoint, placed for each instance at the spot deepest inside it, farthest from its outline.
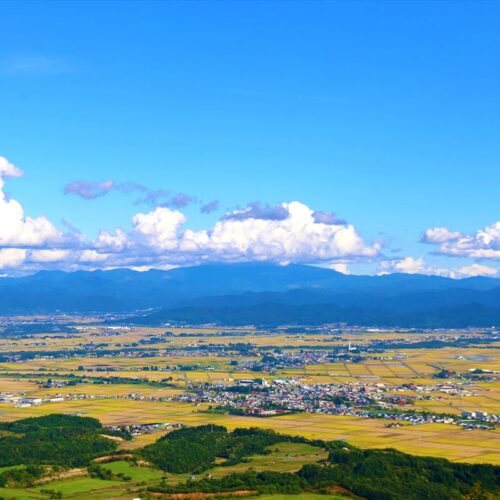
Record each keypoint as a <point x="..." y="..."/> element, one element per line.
<point x="410" y="265"/>
<point x="440" y="235"/>
<point x="7" y="169"/>
<point x="341" y="267"/>
<point x="44" y="256"/>
<point x="476" y="270"/>
<point x="297" y="238"/>
<point x="483" y="244"/>
<point x="294" y="238"/>
<point x="92" y="256"/>
<point x="112" y="242"/>
<point x="284" y="233"/>
<point x="11" y="257"/>
<point x="406" y="265"/>
<point x="158" y="229"/>
<point x="160" y="239"/>
<point x="15" y="228"/>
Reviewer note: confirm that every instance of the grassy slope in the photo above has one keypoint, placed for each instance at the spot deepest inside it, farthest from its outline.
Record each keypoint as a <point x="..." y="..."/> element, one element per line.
<point x="284" y="457"/>
<point x="135" y="473"/>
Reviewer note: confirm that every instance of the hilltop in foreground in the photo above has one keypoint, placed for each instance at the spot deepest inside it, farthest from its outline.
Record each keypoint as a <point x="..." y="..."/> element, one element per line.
<point x="36" y="453"/>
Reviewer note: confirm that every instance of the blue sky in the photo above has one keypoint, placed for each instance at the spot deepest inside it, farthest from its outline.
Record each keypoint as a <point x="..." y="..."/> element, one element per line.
<point x="385" y="113"/>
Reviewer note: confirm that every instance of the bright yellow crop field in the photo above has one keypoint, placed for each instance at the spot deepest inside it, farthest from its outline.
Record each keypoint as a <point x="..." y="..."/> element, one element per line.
<point x="126" y="403"/>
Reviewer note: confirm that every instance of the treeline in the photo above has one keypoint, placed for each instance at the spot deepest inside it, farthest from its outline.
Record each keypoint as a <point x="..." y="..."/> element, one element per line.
<point x="194" y="449"/>
<point x="373" y="474"/>
<point x="63" y="440"/>
<point x="21" y="476"/>
<point x="27" y="329"/>
<point x="40" y="446"/>
<point x="391" y="474"/>
<point x="265" y="483"/>
<point x="72" y="379"/>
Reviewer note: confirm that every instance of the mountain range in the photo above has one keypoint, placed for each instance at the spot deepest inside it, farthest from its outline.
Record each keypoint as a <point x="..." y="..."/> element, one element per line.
<point x="259" y="293"/>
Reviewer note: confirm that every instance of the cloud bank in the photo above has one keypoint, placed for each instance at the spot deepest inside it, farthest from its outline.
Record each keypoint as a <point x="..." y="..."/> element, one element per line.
<point x="287" y="232"/>
<point x="161" y="237"/>
<point x="410" y="265"/>
<point x="483" y="244"/>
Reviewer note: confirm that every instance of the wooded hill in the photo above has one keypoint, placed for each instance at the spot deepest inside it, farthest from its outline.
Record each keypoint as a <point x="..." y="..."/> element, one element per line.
<point x="51" y="443"/>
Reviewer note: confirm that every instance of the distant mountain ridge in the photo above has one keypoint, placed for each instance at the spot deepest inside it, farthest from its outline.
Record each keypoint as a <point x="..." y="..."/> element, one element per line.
<point x="258" y="293"/>
<point x="275" y="314"/>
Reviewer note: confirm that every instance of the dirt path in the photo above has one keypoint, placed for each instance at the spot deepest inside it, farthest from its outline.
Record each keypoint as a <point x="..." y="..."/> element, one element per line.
<point x="63" y="475"/>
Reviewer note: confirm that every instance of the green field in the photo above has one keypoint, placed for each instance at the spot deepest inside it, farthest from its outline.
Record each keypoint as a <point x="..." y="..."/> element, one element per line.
<point x="14" y="493"/>
<point x="134" y="472"/>
<point x="284" y="457"/>
<point x="10" y="467"/>
<point x="81" y="486"/>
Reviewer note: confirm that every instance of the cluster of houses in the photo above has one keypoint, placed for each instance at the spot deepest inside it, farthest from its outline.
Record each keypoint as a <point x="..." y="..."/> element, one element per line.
<point x="147" y="428"/>
<point x="22" y="401"/>
<point x="258" y="397"/>
<point x="480" y="416"/>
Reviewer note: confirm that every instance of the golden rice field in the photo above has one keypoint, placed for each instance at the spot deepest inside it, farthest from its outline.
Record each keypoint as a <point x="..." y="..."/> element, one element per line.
<point x="441" y="440"/>
<point x="393" y="368"/>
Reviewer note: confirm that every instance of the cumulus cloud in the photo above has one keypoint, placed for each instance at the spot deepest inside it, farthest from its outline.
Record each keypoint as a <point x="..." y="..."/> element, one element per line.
<point x="293" y="237"/>
<point x="158" y="229"/>
<point x="49" y="255"/>
<point x="475" y="270"/>
<point x="113" y="242"/>
<point x="16" y="229"/>
<point x="410" y="265"/>
<point x="160" y="238"/>
<point x="483" y="244"/>
<point x="406" y="265"/>
<point x="7" y="169"/>
<point x="440" y="235"/>
<point x="340" y="267"/>
<point x="11" y="257"/>
<point x="92" y="256"/>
